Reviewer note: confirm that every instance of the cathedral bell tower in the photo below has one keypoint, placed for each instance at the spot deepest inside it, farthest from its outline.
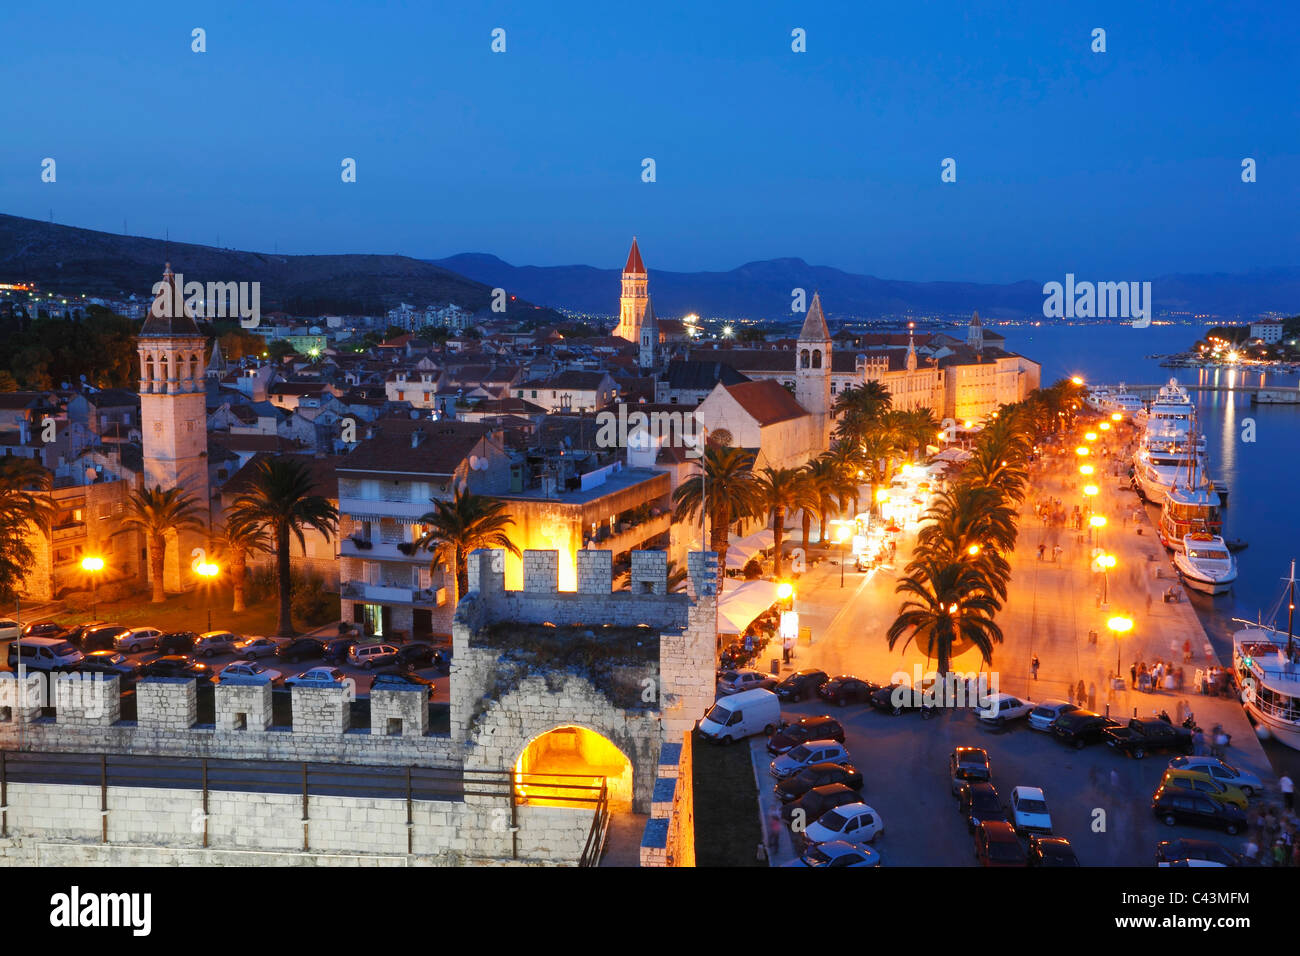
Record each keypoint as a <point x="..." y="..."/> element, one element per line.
<point x="632" y="304"/>
<point x="649" y="337"/>
<point x="812" y="380"/>
<point x="173" y="416"/>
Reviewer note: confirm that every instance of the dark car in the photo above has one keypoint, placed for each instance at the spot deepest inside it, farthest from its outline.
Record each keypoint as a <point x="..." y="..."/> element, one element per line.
<point x="1171" y="851"/>
<point x="400" y="680"/>
<point x="846" y="689"/>
<point x="968" y="765"/>
<point x="799" y="813"/>
<point x="73" y="635"/>
<point x="818" y="775"/>
<point x="414" y="656"/>
<point x="824" y="727"/>
<point x="102" y="637"/>
<point x="300" y="649"/>
<point x="176" y="665"/>
<point x="800" y="684"/>
<point x="1141" y="737"/>
<point x="43" y="629"/>
<point x="899" y="698"/>
<point x="1185" y="806"/>
<point x="979" y="803"/>
<point x="336" y="651"/>
<point x="1079" y="728"/>
<point x="1051" y="851"/>
<point x="996" y="844"/>
<point x="108" y="663"/>
<point x="177" y="642"/>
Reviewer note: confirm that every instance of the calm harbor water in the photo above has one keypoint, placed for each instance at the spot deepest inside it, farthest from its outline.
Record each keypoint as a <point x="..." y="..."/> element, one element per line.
<point x="1261" y="476"/>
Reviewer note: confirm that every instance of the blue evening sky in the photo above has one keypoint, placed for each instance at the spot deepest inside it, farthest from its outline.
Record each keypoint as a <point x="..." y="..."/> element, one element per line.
<point x="1122" y="165"/>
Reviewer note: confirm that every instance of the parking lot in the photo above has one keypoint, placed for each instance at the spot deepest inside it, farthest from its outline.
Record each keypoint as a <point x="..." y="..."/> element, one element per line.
<point x="1099" y="800"/>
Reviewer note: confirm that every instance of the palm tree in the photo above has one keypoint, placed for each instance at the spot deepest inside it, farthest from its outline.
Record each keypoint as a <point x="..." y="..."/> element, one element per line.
<point x="829" y="489"/>
<point x="727" y="486"/>
<point x="949" y="606"/>
<point x="783" y="490"/>
<point x="973" y="524"/>
<point x="239" y="539"/>
<point x="998" y="461"/>
<point x="917" y="428"/>
<point x="856" y="408"/>
<point x="279" y="499"/>
<point x="22" y="502"/>
<point x="848" y="458"/>
<point x="458" y="526"/>
<point x="157" y="513"/>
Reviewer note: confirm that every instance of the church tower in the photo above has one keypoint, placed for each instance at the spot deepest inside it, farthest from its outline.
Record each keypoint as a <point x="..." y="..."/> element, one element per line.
<point x="975" y="333"/>
<point x="632" y="304"/>
<point x="649" y="337"/>
<point x="911" y="348"/>
<point x="812" y="386"/>
<point x="173" y="415"/>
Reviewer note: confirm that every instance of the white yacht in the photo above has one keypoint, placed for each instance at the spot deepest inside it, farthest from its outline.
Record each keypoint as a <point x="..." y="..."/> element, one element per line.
<point x="1267" y="662"/>
<point x="1124" y="402"/>
<point x="1171" y="450"/>
<point x="1205" y="564"/>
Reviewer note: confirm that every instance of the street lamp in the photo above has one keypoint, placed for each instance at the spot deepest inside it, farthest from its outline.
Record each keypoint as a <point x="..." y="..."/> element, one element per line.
<point x="208" y="571"/>
<point x="842" y="535"/>
<point x="1116" y="417"/>
<point x="1104" y="563"/>
<point x="1119" y="625"/>
<point x="1104" y="426"/>
<point x="1081" y="450"/>
<point x="1091" y="436"/>
<point x="92" y="566"/>
<point x="1086" y="470"/>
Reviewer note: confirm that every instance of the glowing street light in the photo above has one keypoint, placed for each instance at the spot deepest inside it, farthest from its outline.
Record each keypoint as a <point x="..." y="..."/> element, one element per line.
<point x="1090" y="491"/>
<point x="1119" y="625"/>
<point x="842" y="535"/>
<point x="1091" y="436"/>
<point x="1081" y="450"/>
<point x="92" y="566"/>
<point x="973" y="550"/>
<point x="1116" y="417"/>
<point x="1086" y="470"/>
<point x="1104" y="426"/>
<point x="1097" y="521"/>
<point x="1076" y="380"/>
<point x="784" y="591"/>
<point x="208" y="571"/>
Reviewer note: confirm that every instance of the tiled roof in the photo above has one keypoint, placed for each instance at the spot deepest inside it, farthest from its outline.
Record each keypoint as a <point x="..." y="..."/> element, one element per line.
<point x="441" y="449"/>
<point x="767" y="402"/>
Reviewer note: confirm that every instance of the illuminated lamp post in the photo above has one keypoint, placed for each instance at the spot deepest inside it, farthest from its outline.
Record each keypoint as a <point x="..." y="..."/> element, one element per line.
<point x="842" y="535"/>
<point x="208" y="571"/>
<point x="92" y="566"/>
<point x="1119" y="625"/>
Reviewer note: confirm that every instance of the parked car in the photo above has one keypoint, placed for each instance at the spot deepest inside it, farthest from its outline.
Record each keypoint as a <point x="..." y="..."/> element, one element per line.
<point x="1029" y="812"/>
<point x="44" y="654"/>
<point x="1051" y="851"/>
<point x="1205" y="785"/>
<point x="899" y="698"/>
<point x="249" y="669"/>
<point x="43" y="629"/>
<point x="795" y="687"/>
<point x="805" y="755"/>
<point x="968" y="765"/>
<point x="381" y="681"/>
<point x="1169" y="852"/>
<point x="809" y="807"/>
<point x="316" y="677"/>
<point x="1046" y="711"/>
<point x="996" y="844"/>
<point x="74" y="635"/>
<point x="108" y="663"/>
<point x="1183" y="806"/>
<point x="370" y="656"/>
<point x="176" y="665"/>
<point x="854" y="823"/>
<point x="1141" y="737"/>
<point x="137" y="639"/>
<point x="1001" y="709"/>
<point x="336" y="650"/>
<point x="300" y="649"/>
<point x="818" y="775"/>
<point x="1079" y="728"/>
<point x="8" y="629"/>
<point x="415" y="656"/>
<point x="1225" y="773"/>
<point x="837" y="853"/>
<point x="212" y="643"/>
<point x="251" y="648"/>
<point x="741" y="715"/>
<point x="176" y="642"/>
<point x="822" y="727"/>
<point x="735" y="681"/>
<point x="979" y="802"/>
<point x="846" y="689"/>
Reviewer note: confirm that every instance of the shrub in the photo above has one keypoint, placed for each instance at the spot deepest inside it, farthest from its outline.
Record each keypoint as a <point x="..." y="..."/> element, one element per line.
<point x="753" y="570"/>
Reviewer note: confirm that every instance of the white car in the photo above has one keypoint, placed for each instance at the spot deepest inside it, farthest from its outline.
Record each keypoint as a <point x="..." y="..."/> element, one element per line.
<point x="138" y="639"/>
<point x="738" y="681"/>
<point x="1220" y="772"/>
<point x="250" y="669"/>
<point x="1046" y="711"/>
<point x="805" y="755"/>
<point x="316" y="677"/>
<point x="854" y="823"/>
<point x="8" y="630"/>
<point x="1001" y="708"/>
<point x="1029" y="811"/>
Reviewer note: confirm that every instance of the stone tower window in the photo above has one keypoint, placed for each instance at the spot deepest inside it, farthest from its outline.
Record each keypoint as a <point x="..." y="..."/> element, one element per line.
<point x="803" y="358"/>
<point x="817" y="358"/>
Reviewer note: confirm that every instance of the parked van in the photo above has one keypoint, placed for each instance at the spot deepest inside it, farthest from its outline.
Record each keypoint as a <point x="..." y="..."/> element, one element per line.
<point x="45" y="654"/>
<point x="742" y="715"/>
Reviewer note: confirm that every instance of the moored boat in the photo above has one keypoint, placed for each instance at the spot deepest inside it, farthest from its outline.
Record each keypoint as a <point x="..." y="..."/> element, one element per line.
<point x="1205" y="564"/>
<point x="1265" y="660"/>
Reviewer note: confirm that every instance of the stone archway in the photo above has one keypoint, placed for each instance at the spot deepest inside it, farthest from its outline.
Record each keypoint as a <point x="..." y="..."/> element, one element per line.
<point x="571" y="755"/>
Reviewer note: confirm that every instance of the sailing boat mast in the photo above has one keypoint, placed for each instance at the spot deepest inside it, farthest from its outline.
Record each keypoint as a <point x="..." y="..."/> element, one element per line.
<point x="1290" y="615"/>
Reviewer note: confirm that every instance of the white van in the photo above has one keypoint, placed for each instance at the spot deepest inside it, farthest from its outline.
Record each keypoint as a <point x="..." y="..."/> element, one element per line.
<point x="742" y="715"/>
<point x="44" y="654"/>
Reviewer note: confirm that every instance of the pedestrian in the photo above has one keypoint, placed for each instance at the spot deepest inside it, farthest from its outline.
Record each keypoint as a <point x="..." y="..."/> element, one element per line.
<point x="1056" y="554"/>
<point x="1251" y="849"/>
<point x="1198" y="743"/>
<point x="1133" y="672"/>
<point x="773" y="833"/>
<point x="1187" y="651"/>
<point x="1033" y="666"/>
<point x="1042" y="548"/>
<point x="1288" y="791"/>
<point x="1081" y="693"/>
<point x="1148" y="600"/>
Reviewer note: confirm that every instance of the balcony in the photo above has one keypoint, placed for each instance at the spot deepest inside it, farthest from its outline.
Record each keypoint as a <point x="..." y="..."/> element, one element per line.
<point x="382" y="508"/>
<point x="379" y="551"/>
<point x="630" y="537"/>
<point x="68" y="532"/>
<point x="389" y="594"/>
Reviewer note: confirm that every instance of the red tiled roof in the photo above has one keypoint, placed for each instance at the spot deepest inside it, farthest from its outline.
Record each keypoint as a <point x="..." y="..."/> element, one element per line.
<point x="767" y="401"/>
<point x="634" y="263"/>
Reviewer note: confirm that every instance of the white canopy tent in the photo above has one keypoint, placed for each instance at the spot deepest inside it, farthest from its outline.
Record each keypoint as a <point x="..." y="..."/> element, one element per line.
<point x="738" y="607"/>
<point x="742" y="549"/>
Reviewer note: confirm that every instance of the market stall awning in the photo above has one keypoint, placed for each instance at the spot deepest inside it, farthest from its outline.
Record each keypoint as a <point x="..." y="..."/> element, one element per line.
<point x="742" y="549"/>
<point x="953" y="455"/>
<point x="738" y="606"/>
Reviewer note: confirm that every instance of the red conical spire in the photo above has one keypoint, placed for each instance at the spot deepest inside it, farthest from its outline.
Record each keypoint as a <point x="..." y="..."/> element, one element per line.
<point x="634" y="263"/>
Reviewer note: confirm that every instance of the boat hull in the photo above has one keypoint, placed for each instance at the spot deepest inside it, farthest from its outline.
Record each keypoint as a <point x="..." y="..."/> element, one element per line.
<point x="1284" y="731"/>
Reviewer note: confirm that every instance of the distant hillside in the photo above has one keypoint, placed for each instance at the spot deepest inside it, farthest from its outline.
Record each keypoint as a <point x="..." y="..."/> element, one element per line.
<point x="762" y="290"/>
<point x="104" y="264"/>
